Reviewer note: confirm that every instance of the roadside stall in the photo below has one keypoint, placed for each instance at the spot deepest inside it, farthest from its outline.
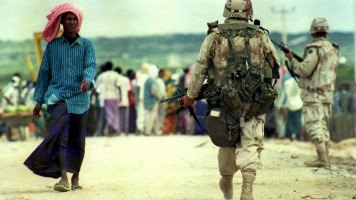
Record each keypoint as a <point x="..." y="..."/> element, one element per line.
<point x="17" y="118"/>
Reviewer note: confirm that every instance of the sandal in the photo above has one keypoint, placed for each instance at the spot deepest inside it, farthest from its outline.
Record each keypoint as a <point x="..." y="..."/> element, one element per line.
<point x="61" y="187"/>
<point x="76" y="187"/>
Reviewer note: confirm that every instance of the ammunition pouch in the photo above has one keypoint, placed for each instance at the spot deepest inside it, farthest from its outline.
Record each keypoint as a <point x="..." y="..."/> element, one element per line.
<point x="223" y="129"/>
<point x="233" y="98"/>
<point x="249" y="84"/>
<point x="263" y="101"/>
<point x="232" y="101"/>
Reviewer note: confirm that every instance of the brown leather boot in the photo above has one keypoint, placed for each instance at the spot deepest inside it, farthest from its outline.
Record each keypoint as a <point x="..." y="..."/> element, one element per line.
<point x="226" y="186"/>
<point x="323" y="160"/>
<point x="248" y="178"/>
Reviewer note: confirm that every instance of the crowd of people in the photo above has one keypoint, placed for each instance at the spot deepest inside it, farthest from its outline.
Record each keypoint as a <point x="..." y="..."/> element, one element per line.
<point x="18" y="93"/>
<point x="240" y="93"/>
<point x="130" y="103"/>
<point x="121" y="103"/>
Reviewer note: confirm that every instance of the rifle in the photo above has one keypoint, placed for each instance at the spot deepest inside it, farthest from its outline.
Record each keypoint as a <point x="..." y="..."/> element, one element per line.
<point x="286" y="50"/>
<point x="182" y="93"/>
<point x="203" y="93"/>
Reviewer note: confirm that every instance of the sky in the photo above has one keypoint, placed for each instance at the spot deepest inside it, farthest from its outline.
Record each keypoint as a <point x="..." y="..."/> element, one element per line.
<point x="19" y="19"/>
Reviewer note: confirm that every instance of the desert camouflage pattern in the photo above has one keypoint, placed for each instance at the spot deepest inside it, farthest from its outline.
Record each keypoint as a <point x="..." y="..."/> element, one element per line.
<point x="319" y="25"/>
<point x="215" y="47"/>
<point x="317" y="79"/>
<point x="318" y="71"/>
<point x="316" y="116"/>
<point x="238" y="9"/>
<point x="245" y="157"/>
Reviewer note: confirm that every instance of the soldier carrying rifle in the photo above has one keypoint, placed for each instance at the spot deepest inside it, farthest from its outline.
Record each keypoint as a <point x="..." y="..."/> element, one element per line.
<point x="239" y="62"/>
<point x="317" y="72"/>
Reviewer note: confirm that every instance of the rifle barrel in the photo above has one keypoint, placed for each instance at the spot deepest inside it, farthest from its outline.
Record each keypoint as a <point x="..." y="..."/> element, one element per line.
<point x="286" y="50"/>
<point x="172" y="98"/>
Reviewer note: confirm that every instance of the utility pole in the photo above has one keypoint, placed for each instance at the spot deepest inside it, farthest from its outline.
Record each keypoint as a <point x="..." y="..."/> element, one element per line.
<point x="283" y="12"/>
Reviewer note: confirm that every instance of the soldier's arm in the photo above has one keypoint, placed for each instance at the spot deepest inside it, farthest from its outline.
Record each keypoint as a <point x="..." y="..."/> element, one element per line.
<point x="272" y="51"/>
<point x="200" y="70"/>
<point x="306" y="68"/>
<point x="272" y="62"/>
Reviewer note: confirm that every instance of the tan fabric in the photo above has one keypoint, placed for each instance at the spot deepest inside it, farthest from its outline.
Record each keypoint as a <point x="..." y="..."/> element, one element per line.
<point x="152" y="121"/>
<point x="124" y="91"/>
<point x="317" y="79"/>
<point x="238" y="9"/>
<point x="319" y="25"/>
<point x="252" y="133"/>
<point x="318" y="71"/>
<point x="316" y="116"/>
<point x="215" y="46"/>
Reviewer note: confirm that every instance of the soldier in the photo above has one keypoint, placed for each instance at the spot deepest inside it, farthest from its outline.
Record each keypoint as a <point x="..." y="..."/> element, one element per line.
<point x="317" y="79"/>
<point x="239" y="62"/>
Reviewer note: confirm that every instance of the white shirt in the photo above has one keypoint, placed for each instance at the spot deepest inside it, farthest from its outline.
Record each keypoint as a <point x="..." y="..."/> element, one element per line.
<point x="12" y="94"/>
<point x="162" y="87"/>
<point x="141" y="80"/>
<point x="124" y="88"/>
<point x="292" y="92"/>
<point x="108" y="84"/>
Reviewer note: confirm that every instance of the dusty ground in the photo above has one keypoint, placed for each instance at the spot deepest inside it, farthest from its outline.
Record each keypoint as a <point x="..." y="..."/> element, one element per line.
<point x="179" y="168"/>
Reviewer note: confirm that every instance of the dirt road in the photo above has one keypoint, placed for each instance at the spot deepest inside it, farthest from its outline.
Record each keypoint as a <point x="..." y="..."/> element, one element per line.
<point x="179" y="168"/>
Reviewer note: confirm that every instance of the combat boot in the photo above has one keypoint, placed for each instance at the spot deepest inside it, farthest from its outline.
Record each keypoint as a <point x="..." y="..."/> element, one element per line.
<point x="248" y="178"/>
<point x="322" y="160"/>
<point x="226" y="186"/>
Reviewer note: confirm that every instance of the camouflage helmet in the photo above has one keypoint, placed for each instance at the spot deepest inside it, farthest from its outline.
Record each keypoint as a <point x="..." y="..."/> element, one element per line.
<point x="241" y="9"/>
<point x="319" y="25"/>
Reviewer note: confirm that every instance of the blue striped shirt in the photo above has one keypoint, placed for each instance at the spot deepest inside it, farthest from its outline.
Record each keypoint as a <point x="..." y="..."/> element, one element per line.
<point x="64" y="66"/>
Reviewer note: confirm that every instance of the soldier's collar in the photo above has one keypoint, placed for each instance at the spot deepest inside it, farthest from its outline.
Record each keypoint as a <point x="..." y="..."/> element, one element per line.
<point x="319" y="39"/>
<point x="232" y="21"/>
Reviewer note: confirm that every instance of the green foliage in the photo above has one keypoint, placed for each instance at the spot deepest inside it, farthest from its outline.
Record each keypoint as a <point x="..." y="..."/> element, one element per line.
<point x="165" y="51"/>
<point x="345" y="72"/>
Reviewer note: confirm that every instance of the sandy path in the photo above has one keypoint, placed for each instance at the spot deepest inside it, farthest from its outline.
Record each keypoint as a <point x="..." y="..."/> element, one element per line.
<point x="177" y="168"/>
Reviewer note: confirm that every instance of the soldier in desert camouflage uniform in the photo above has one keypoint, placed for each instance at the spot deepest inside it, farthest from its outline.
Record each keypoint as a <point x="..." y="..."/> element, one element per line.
<point x="240" y="62"/>
<point x="317" y="79"/>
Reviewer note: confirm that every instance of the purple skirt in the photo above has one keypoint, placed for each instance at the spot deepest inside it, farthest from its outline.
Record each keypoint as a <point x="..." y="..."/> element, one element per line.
<point x="112" y="113"/>
<point x="63" y="148"/>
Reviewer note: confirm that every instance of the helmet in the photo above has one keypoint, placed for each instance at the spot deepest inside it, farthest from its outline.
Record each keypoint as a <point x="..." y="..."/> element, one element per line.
<point x="238" y="9"/>
<point x="319" y="25"/>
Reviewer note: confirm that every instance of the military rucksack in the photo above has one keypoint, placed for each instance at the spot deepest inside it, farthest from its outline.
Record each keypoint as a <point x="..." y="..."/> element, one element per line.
<point x="242" y="82"/>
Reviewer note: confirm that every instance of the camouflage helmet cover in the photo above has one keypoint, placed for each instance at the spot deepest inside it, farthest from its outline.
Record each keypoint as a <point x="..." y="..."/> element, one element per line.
<point x="319" y="25"/>
<point x="241" y="9"/>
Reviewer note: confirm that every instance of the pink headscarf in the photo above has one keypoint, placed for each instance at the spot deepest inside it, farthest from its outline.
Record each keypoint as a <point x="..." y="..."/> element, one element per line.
<point x="54" y="19"/>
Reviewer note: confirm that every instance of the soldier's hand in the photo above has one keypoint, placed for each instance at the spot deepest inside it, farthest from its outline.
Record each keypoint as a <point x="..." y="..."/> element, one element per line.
<point x="36" y="111"/>
<point x="85" y="86"/>
<point x="289" y="55"/>
<point x="186" y="101"/>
